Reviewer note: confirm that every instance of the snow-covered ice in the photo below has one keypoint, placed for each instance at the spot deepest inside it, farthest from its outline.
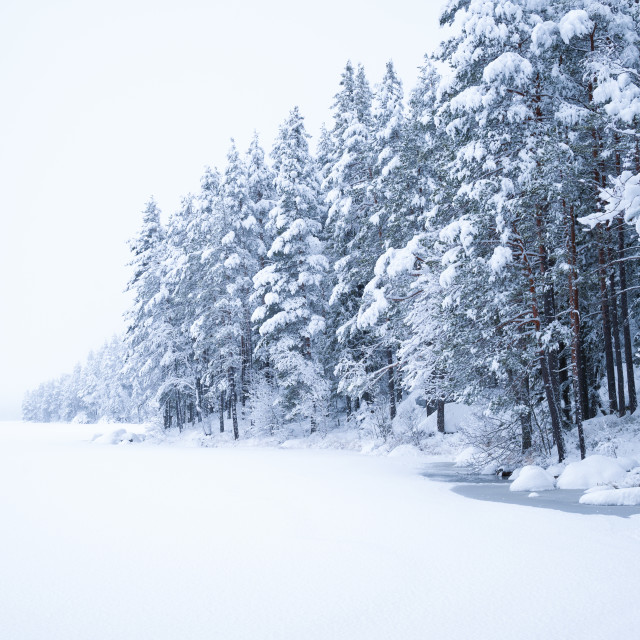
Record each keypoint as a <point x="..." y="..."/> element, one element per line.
<point x="141" y="540"/>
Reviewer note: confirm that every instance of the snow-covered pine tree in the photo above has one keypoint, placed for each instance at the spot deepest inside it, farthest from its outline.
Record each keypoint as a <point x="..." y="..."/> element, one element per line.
<point x="146" y="283"/>
<point x="351" y="234"/>
<point x="291" y="314"/>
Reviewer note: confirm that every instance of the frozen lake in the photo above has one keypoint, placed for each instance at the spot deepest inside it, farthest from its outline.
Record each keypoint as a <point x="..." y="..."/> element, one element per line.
<point x="148" y="541"/>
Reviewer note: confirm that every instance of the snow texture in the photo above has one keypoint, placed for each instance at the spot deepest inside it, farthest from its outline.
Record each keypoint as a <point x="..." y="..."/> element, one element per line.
<point x="533" y="478"/>
<point x="612" y="497"/>
<point x="165" y="542"/>
<point x="591" y="472"/>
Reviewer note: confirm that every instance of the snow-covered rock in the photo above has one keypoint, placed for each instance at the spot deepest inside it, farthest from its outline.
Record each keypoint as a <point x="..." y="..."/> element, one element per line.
<point x="612" y="497"/>
<point x="591" y="472"/>
<point x="118" y="436"/>
<point x="533" y="478"/>
<point x="406" y="451"/>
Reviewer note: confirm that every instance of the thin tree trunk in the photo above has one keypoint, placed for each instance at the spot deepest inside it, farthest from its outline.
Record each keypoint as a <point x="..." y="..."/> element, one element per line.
<point x="199" y="399"/>
<point x="520" y="389"/>
<point x="624" y="310"/>
<point x="222" y="412"/>
<point x="624" y="301"/>
<point x="613" y="306"/>
<point x="234" y="410"/>
<point x="548" y="313"/>
<point x="243" y="371"/>
<point x="391" y="385"/>
<point x="574" y="308"/>
<point x="440" y="414"/>
<point x="563" y="376"/>
<point x="606" y="330"/>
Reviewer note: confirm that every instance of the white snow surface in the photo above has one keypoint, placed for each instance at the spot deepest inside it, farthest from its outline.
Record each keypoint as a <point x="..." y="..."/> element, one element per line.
<point x="143" y="540"/>
<point x="591" y="472"/>
<point x="613" y="497"/>
<point x="533" y="478"/>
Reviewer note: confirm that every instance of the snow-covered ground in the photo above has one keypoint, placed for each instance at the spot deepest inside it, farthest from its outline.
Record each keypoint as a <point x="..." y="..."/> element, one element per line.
<point x="156" y="541"/>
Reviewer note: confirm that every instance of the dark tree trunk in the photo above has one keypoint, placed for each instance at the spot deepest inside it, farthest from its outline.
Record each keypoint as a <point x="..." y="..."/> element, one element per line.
<point x="606" y="331"/>
<point x="440" y="416"/>
<point x="179" y="416"/>
<point x="548" y="314"/>
<point x="520" y="389"/>
<point x="198" y="399"/>
<point x="563" y="376"/>
<point x="243" y="371"/>
<point x="222" y="412"/>
<point x="552" y="402"/>
<point x="167" y="415"/>
<point x="589" y="409"/>
<point x="347" y="400"/>
<point x="391" y="386"/>
<point x="574" y="309"/>
<point x="624" y="311"/>
<point x="314" y="422"/>
<point x="550" y="389"/>
<point x="615" y="328"/>
<point x="234" y="402"/>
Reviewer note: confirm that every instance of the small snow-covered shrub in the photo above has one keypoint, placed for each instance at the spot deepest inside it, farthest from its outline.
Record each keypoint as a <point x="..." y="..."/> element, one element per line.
<point x="267" y="412"/>
<point x="374" y="420"/>
<point x="81" y="418"/>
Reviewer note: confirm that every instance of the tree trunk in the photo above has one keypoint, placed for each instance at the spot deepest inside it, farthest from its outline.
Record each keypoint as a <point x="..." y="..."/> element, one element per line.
<point x="234" y="402"/>
<point x="222" y="412"/>
<point x="391" y="385"/>
<point x="243" y="372"/>
<point x="550" y="389"/>
<point x="563" y="376"/>
<point x="179" y="416"/>
<point x="521" y="392"/>
<point x="606" y="330"/>
<point x="574" y="309"/>
<point x="613" y="306"/>
<point x="440" y="416"/>
<point x="198" y="399"/>
<point x="552" y="402"/>
<point x="624" y="312"/>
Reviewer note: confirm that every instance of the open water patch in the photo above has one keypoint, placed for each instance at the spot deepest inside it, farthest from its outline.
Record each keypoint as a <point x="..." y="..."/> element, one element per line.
<point x="492" y="488"/>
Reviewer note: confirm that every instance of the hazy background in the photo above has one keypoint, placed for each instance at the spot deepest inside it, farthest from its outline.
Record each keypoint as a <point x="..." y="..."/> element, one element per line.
<point x="106" y="103"/>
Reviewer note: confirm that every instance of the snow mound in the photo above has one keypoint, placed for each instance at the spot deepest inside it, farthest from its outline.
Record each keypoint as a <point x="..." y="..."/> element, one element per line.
<point x="613" y="497"/>
<point x="591" y="472"/>
<point x="466" y="457"/>
<point x="533" y="478"/>
<point x="406" y="451"/>
<point x="118" y="436"/>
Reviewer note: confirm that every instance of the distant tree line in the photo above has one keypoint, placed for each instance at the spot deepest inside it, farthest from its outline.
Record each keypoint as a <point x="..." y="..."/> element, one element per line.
<point x="95" y="390"/>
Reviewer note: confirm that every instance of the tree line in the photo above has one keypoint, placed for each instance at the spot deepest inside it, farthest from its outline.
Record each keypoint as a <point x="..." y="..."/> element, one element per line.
<point x="471" y="242"/>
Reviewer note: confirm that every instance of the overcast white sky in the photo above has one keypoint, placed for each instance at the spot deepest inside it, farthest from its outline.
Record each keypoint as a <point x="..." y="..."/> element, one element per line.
<point x="106" y="103"/>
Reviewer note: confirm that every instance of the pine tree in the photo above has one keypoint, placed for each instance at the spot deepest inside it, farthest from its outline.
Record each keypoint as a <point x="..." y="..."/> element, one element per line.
<point x="291" y="316"/>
